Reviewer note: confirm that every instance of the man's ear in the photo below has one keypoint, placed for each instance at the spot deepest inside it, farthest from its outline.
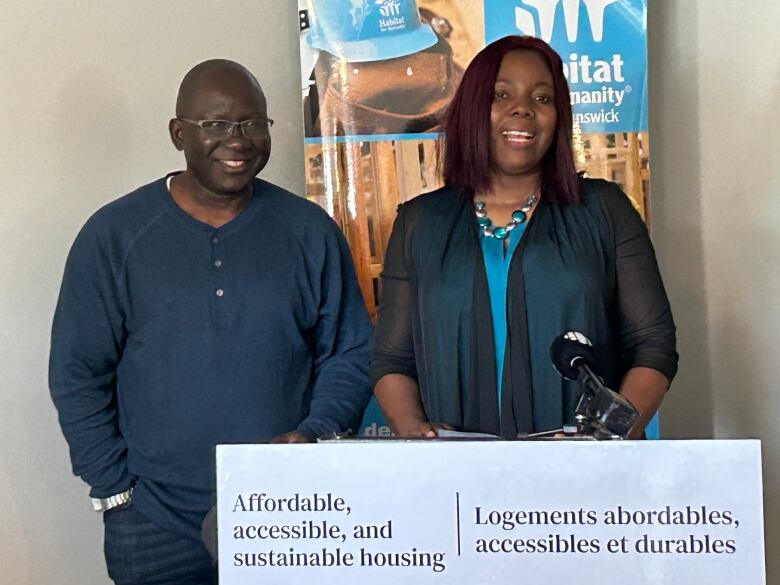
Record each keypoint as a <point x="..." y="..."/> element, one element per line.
<point x="175" y="130"/>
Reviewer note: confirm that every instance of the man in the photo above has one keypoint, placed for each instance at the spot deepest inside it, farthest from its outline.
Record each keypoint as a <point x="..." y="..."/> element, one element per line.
<point x="206" y="307"/>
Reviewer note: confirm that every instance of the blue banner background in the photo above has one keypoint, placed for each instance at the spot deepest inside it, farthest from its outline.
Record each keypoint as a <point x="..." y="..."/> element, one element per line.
<point x="617" y="63"/>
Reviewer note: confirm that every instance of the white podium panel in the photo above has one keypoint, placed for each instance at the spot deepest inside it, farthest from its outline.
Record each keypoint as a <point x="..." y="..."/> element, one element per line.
<point x="455" y="512"/>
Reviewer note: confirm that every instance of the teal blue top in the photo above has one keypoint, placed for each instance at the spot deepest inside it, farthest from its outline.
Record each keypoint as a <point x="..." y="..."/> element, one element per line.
<point x="497" y="260"/>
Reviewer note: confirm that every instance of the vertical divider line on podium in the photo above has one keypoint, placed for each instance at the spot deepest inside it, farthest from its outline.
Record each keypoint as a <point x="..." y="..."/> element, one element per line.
<point x="457" y="517"/>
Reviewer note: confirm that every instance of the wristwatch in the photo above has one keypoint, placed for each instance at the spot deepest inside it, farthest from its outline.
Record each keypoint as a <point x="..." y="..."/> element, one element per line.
<point x="105" y="504"/>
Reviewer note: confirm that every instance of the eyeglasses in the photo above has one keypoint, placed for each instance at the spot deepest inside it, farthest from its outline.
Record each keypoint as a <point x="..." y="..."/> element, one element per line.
<point x="222" y="129"/>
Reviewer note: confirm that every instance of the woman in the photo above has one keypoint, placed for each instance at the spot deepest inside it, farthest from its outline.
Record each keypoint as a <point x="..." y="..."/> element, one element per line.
<point x="481" y="275"/>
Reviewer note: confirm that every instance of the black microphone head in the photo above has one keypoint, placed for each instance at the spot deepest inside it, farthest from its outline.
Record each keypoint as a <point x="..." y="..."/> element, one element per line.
<point x="569" y="348"/>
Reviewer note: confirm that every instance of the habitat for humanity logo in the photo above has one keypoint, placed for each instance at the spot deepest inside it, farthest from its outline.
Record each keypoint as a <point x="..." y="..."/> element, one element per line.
<point x="546" y="11"/>
<point x="391" y="15"/>
<point x="389" y="8"/>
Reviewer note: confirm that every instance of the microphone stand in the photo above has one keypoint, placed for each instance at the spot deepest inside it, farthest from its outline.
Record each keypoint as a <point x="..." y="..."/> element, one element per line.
<point x="600" y="411"/>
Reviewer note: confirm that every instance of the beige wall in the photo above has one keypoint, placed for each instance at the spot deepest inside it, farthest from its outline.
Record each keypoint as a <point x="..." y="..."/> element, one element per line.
<point x="87" y="87"/>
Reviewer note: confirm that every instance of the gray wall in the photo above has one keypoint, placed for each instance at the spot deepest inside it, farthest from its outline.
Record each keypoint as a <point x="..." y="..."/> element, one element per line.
<point x="86" y="90"/>
<point x="715" y="119"/>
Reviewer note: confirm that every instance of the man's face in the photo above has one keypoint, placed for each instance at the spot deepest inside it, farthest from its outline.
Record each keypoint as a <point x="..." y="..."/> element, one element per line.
<point x="223" y="166"/>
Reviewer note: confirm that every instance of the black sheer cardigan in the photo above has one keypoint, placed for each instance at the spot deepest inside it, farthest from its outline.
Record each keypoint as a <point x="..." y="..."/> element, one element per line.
<point x="588" y="267"/>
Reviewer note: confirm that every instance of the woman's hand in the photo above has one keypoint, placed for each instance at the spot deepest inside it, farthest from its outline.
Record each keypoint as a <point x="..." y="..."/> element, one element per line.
<point x="421" y="429"/>
<point x="399" y="400"/>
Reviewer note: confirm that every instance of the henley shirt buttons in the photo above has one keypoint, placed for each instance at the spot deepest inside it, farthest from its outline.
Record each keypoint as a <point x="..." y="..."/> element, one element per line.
<point x="220" y="292"/>
<point x="215" y="240"/>
<point x="218" y="263"/>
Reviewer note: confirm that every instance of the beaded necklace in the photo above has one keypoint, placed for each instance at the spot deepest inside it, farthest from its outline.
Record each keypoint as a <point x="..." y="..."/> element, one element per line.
<point x="519" y="217"/>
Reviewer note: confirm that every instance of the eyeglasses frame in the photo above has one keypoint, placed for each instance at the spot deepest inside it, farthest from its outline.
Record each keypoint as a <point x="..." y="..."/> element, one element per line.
<point x="199" y="123"/>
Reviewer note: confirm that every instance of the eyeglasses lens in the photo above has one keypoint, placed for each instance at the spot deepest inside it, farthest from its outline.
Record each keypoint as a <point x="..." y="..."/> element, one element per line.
<point x="255" y="128"/>
<point x="222" y="129"/>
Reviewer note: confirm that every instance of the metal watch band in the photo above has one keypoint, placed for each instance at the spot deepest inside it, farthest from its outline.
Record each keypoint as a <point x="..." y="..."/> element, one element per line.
<point x="105" y="504"/>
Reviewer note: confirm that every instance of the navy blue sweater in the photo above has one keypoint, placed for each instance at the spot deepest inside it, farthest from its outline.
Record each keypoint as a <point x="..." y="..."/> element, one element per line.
<point x="171" y="336"/>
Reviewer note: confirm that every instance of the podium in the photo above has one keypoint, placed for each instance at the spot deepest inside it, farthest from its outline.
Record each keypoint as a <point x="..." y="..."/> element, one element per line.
<point x="491" y="512"/>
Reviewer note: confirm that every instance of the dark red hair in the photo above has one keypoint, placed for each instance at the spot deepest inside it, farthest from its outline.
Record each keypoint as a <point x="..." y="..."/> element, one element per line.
<point x="467" y="127"/>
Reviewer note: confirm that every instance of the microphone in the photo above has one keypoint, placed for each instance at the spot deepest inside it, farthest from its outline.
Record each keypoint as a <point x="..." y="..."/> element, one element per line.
<point x="572" y="352"/>
<point x="600" y="411"/>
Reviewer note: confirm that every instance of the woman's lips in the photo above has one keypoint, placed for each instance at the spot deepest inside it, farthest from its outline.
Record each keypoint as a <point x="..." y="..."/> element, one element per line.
<point x="518" y="136"/>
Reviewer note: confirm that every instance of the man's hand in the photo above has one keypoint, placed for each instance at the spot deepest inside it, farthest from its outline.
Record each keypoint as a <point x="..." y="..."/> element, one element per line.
<point x="292" y="437"/>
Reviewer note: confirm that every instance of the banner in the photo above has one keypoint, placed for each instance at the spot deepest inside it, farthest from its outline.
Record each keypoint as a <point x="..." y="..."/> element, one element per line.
<point x="377" y="77"/>
<point x="389" y="512"/>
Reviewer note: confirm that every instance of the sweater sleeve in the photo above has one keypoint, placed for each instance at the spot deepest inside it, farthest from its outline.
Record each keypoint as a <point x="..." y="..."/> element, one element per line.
<point x="86" y="345"/>
<point x="341" y="340"/>
<point x="393" y="351"/>
<point x="645" y="324"/>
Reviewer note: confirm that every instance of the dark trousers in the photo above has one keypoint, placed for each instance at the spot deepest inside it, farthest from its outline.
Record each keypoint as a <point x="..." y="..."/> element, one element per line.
<point x="138" y="552"/>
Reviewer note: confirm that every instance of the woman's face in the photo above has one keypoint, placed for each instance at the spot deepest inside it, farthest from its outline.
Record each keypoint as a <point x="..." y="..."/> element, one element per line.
<point x="523" y="116"/>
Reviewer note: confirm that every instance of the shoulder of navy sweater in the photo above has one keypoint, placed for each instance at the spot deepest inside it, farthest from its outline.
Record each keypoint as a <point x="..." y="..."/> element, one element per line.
<point x="295" y="212"/>
<point x="113" y="228"/>
<point x="130" y="213"/>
